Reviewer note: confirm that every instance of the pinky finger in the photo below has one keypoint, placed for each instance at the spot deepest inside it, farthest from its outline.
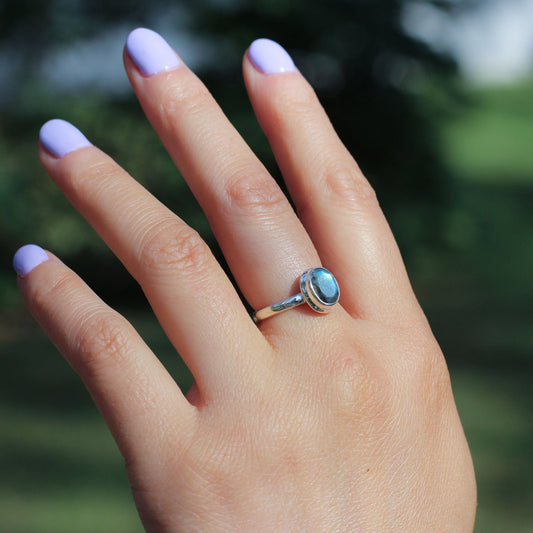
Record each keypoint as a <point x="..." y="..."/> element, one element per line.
<point x="135" y="394"/>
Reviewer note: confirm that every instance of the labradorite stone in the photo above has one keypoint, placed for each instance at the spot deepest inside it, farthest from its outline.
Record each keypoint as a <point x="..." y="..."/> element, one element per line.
<point x="324" y="285"/>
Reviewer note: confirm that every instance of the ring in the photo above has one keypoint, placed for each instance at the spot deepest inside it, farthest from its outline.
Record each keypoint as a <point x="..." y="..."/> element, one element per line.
<point x="318" y="288"/>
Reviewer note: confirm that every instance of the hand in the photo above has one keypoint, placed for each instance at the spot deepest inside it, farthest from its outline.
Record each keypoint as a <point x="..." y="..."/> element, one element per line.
<point x="304" y="422"/>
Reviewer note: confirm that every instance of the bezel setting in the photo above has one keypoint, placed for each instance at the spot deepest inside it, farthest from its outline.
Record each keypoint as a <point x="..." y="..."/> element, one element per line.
<point x="319" y="289"/>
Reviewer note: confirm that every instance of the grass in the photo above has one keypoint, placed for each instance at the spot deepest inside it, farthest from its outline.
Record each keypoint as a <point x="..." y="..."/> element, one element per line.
<point x="61" y="470"/>
<point x="478" y="295"/>
<point x="61" y="474"/>
<point x="499" y="427"/>
<point x="490" y="139"/>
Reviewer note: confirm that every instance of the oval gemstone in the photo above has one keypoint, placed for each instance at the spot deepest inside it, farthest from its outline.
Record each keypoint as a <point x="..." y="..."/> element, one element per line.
<point x="324" y="285"/>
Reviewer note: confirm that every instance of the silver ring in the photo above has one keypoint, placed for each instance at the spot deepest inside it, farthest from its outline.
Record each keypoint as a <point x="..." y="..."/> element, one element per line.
<point x="318" y="288"/>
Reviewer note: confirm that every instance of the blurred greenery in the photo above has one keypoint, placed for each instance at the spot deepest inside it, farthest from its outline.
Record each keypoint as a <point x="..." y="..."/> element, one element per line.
<point x="451" y="164"/>
<point x="498" y="130"/>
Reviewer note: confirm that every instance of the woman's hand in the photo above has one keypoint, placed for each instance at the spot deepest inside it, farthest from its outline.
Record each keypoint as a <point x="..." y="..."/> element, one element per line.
<point x="304" y="422"/>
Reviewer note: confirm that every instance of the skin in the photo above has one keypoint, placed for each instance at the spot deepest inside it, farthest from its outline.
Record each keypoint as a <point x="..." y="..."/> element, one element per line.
<point x="343" y="422"/>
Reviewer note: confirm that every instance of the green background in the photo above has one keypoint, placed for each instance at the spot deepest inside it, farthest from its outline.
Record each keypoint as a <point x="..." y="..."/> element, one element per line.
<point x="452" y="164"/>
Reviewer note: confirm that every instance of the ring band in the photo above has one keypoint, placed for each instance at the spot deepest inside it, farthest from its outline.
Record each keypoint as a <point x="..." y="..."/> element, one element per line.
<point x="318" y="288"/>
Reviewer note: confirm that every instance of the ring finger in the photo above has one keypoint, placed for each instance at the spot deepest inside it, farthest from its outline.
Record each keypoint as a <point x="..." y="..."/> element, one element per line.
<point x="334" y="200"/>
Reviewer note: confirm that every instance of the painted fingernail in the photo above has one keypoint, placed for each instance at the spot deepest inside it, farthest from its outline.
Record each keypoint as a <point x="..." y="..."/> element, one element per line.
<point x="270" y="57"/>
<point x="150" y="52"/>
<point x="60" y="137"/>
<point x="27" y="258"/>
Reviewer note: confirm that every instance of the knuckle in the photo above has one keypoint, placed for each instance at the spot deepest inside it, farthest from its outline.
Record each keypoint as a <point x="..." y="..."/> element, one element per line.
<point x="433" y="387"/>
<point x="349" y="187"/>
<point x="431" y="377"/>
<point x="300" y="102"/>
<point x="102" y="342"/>
<point x="357" y="387"/>
<point x="347" y="375"/>
<point x="253" y="190"/>
<point x="86" y="182"/>
<point x="345" y="188"/>
<point x="426" y="373"/>
<point x="173" y="245"/>
<point x="178" y="98"/>
<point x="61" y="286"/>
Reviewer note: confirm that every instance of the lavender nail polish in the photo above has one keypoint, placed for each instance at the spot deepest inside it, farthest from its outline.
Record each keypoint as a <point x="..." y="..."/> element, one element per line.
<point x="60" y="137"/>
<point x="270" y="57"/>
<point x="27" y="258"/>
<point x="150" y="52"/>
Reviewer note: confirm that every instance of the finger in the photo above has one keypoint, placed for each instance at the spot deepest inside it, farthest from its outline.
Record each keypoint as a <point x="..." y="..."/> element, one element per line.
<point x="334" y="200"/>
<point x="134" y="392"/>
<point x="263" y="241"/>
<point x="194" y="301"/>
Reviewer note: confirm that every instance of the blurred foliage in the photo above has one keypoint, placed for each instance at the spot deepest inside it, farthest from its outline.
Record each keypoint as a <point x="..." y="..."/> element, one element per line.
<point x="364" y="65"/>
<point x="499" y="132"/>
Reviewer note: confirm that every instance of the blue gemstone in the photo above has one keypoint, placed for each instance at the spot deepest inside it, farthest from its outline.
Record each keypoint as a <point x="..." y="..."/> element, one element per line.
<point x="324" y="285"/>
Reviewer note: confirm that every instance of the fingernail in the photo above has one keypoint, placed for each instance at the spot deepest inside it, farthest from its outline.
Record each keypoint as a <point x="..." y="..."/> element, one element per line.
<point x="60" y="137"/>
<point x="150" y="52"/>
<point x="27" y="258"/>
<point x="270" y="57"/>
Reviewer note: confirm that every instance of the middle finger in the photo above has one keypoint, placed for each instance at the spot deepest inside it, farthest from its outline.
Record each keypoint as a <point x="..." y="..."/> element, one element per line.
<point x="254" y="223"/>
